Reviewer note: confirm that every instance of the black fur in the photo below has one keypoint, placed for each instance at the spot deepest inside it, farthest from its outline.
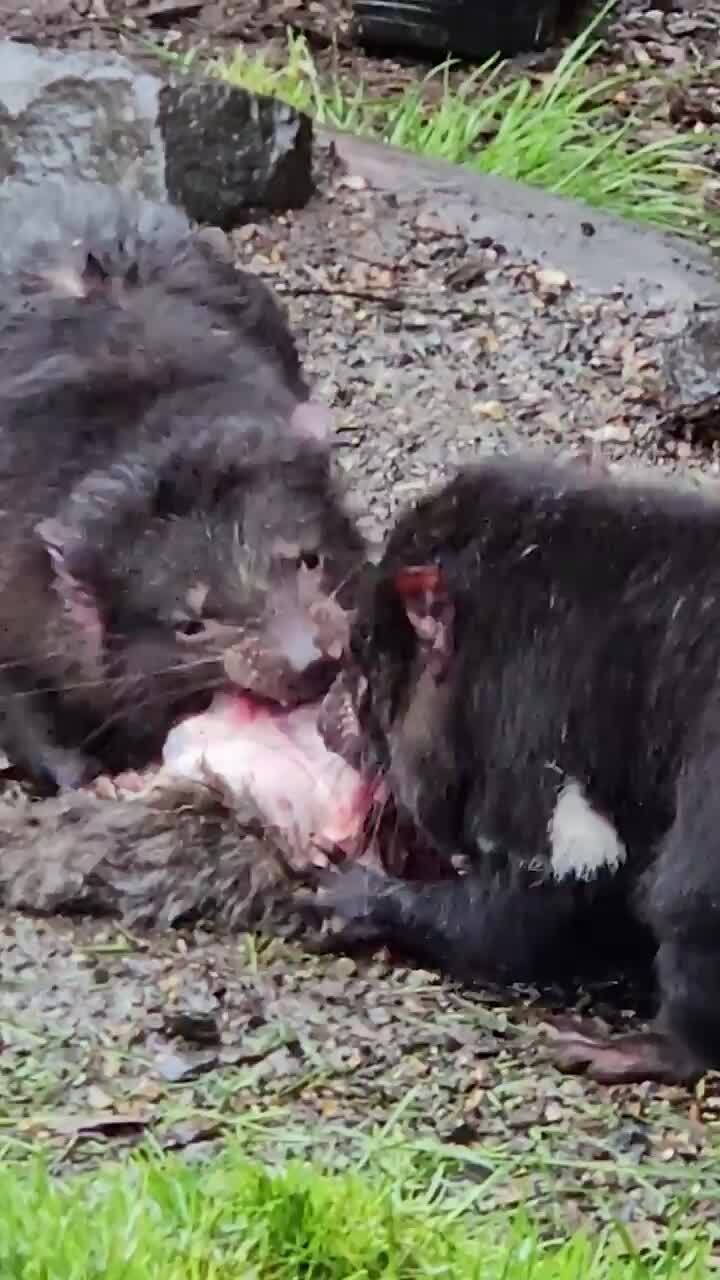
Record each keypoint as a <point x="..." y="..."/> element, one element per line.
<point x="145" y="452"/>
<point x="586" y="647"/>
<point x="115" y="236"/>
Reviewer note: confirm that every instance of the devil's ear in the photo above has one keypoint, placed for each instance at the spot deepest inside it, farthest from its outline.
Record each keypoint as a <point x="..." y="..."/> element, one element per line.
<point x="76" y="594"/>
<point x="105" y="510"/>
<point x="429" y="610"/>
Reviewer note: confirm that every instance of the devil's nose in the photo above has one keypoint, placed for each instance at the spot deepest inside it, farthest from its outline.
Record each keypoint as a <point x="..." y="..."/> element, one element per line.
<point x="302" y="638"/>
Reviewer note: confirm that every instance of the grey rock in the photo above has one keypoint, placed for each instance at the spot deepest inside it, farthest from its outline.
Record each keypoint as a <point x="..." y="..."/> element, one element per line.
<point x="78" y="114"/>
<point x="215" y="150"/>
<point x="228" y="152"/>
<point x="691" y="366"/>
<point x="692" y="361"/>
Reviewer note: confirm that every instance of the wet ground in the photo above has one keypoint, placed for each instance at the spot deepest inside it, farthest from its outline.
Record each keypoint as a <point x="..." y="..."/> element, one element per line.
<point x="431" y="347"/>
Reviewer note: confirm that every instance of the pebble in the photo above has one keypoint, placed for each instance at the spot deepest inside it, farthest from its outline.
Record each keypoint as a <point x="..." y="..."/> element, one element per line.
<point x="612" y="434"/>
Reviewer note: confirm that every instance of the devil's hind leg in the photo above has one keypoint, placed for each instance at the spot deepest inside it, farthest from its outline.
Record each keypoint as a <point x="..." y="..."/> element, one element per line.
<point x="680" y="900"/>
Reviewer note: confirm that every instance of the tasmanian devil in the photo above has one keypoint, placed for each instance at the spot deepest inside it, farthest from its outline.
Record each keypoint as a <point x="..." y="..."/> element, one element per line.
<point x="534" y="673"/>
<point x="78" y="239"/>
<point x="168" y="524"/>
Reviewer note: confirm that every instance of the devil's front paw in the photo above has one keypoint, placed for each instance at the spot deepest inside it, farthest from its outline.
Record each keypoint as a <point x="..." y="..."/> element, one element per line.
<point x="345" y="906"/>
<point x="623" y="1059"/>
<point x="60" y="770"/>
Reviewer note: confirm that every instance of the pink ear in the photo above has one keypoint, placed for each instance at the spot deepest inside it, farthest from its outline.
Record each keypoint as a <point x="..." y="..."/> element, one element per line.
<point x="429" y="611"/>
<point x="313" y="420"/>
<point x="77" y="598"/>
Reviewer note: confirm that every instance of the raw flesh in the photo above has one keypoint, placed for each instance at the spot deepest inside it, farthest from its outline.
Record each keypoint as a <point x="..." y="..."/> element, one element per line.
<point x="275" y="760"/>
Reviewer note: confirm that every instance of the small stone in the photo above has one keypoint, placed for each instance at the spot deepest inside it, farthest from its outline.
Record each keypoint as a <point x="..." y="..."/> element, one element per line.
<point x="612" y="433"/>
<point x="490" y="409"/>
<point x="98" y="1099"/>
<point x="551" y="281"/>
<point x="176" y="1068"/>
<point x="379" y="1017"/>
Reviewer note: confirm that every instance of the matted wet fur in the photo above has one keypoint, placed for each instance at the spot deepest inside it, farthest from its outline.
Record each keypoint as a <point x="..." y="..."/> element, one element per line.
<point x="164" y="859"/>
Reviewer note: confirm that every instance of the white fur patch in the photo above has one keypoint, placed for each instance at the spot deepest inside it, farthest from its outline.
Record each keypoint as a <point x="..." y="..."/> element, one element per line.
<point x="582" y="842"/>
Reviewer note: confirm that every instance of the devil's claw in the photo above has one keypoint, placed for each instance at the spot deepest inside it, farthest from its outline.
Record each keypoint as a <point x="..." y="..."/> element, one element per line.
<point x="624" y="1059"/>
<point x="350" y="896"/>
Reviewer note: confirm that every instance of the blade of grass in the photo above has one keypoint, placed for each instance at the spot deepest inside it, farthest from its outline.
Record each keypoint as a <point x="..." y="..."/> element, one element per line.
<point x="561" y="134"/>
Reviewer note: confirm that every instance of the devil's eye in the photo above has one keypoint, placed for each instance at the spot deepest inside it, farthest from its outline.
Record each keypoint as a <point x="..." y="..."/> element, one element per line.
<point x="190" y="627"/>
<point x="309" y="559"/>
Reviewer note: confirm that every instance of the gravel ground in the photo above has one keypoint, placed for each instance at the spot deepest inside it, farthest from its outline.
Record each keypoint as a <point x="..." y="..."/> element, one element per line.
<point x="109" y="1036"/>
<point x="431" y="349"/>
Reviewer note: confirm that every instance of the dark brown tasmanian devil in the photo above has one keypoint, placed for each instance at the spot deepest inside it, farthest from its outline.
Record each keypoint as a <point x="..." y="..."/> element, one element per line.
<point x="533" y="680"/>
<point x="170" y="524"/>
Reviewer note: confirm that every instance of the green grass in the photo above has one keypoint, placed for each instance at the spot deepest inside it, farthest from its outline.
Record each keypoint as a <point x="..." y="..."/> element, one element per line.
<point x="562" y="135"/>
<point x="160" y="1219"/>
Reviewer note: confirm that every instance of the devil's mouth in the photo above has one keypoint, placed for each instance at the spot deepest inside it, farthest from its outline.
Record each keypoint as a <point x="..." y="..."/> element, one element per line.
<point x="317" y="802"/>
<point x="279" y="747"/>
<point x="259" y="753"/>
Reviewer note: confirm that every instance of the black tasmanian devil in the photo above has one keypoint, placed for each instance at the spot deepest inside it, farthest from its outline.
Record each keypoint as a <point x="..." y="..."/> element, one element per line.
<point x="534" y="674"/>
<point x="169" y="518"/>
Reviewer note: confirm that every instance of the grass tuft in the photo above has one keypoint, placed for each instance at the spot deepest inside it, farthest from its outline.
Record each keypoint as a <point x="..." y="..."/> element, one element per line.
<point x="233" y="1217"/>
<point x="561" y="134"/>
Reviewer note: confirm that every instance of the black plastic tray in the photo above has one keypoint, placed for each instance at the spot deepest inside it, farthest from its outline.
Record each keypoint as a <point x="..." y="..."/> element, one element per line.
<point x="467" y="28"/>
